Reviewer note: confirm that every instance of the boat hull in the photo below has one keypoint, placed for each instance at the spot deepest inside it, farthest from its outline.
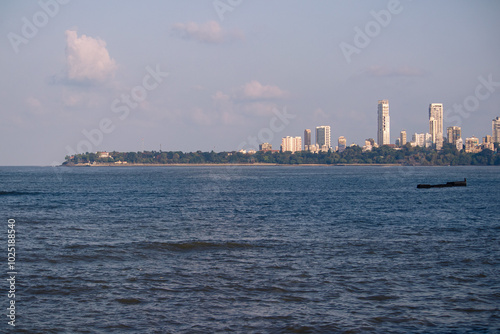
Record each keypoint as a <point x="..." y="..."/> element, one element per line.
<point x="444" y="185"/>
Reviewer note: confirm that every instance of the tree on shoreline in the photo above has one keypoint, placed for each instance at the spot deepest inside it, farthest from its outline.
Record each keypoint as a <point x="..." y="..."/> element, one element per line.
<point x="407" y="155"/>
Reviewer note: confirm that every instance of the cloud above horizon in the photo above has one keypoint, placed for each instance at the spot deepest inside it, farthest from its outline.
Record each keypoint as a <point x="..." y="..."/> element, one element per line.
<point x="87" y="59"/>
<point x="210" y="32"/>
<point x="254" y="90"/>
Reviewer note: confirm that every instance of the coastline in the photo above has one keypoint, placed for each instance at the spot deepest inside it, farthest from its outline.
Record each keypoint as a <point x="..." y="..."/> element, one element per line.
<point x="257" y="164"/>
<point x="351" y="156"/>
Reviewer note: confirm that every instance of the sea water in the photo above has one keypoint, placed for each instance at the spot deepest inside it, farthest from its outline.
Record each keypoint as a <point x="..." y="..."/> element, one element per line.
<point x="252" y="249"/>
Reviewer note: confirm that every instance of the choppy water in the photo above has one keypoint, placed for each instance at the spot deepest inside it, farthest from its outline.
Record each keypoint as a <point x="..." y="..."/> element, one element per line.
<point x="253" y="249"/>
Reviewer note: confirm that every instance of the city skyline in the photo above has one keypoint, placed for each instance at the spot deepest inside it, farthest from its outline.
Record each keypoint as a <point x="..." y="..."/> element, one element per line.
<point x="192" y="76"/>
<point x="435" y="138"/>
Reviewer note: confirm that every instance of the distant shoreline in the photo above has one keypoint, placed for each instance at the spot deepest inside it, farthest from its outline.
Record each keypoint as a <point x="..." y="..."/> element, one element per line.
<point x="351" y="156"/>
<point x="257" y="164"/>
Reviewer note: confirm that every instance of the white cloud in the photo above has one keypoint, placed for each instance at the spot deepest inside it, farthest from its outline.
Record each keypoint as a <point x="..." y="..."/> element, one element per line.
<point x="254" y="90"/>
<point x="87" y="59"/>
<point x="209" y="32"/>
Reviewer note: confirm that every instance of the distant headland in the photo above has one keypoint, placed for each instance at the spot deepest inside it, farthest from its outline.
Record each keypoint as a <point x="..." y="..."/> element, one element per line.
<point x="353" y="155"/>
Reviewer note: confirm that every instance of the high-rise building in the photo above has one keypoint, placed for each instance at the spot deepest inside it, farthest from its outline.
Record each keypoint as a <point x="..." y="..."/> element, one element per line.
<point x="342" y="144"/>
<point x="402" y="138"/>
<point x="323" y="137"/>
<point x="495" y="129"/>
<point x="307" y="139"/>
<point x="292" y="144"/>
<point x="454" y="133"/>
<point x="384" y="125"/>
<point x="436" y="124"/>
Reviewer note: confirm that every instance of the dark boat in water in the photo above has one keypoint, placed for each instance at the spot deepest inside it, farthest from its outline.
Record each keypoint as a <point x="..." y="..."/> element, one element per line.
<point x="445" y="185"/>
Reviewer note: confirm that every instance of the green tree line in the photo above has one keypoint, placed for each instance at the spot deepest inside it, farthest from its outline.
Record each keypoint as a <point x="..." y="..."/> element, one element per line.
<point x="407" y="155"/>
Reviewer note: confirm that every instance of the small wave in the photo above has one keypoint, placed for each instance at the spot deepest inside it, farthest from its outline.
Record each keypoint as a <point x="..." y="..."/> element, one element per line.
<point x="60" y="288"/>
<point x="197" y="245"/>
<point x="295" y="328"/>
<point x="294" y="299"/>
<point x="269" y="289"/>
<point x="473" y="310"/>
<point x="17" y="193"/>
<point x="388" y="319"/>
<point x="128" y="301"/>
<point x="379" y="298"/>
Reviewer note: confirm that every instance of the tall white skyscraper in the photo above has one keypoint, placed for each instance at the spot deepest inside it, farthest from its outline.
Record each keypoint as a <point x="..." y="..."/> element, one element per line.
<point x="495" y="127"/>
<point x="384" y="125"/>
<point x="436" y="124"/>
<point x="323" y="137"/>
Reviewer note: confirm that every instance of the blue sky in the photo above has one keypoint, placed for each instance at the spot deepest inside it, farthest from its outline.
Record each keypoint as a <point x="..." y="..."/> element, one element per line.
<point x="233" y="66"/>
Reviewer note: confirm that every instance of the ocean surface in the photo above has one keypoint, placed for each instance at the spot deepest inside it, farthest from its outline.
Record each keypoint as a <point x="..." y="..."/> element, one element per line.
<point x="280" y="249"/>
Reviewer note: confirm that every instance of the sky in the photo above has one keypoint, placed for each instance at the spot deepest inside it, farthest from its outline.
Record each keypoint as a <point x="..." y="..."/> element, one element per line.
<point x="223" y="75"/>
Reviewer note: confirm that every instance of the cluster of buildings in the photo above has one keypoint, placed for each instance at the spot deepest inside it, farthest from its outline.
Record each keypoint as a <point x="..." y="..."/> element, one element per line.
<point x="435" y="138"/>
<point x="322" y="144"/>
<point x="323" y="141"/>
